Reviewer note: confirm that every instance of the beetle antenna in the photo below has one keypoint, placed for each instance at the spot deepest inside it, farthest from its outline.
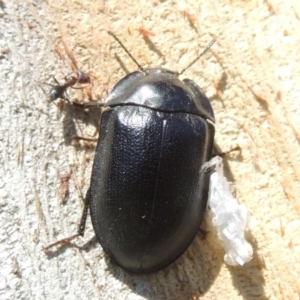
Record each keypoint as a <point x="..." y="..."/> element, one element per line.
<point x="201" y="54"/>
<point x="125" y="49"/>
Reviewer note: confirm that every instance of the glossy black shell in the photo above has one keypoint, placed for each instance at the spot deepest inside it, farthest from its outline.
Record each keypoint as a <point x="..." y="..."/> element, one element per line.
<point x="147" y="194"/>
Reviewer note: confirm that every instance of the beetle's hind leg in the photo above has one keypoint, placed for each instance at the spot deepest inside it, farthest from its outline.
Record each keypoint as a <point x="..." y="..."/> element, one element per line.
<point x="81" y="227"/>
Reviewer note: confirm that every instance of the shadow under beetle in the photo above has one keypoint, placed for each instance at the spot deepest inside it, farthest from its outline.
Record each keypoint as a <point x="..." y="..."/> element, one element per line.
<point x="147" y="195"/>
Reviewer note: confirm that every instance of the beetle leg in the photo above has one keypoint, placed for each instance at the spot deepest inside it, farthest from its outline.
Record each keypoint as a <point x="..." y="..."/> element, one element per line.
<point x="222" y="154"/>
<point x="87" y="105"/>
<point x="79" y="87"/>
<point x="61" y="242"/>
<point x="77" y="138"/>
<point x="81" y="226"/>
<point x="82" y="223"/>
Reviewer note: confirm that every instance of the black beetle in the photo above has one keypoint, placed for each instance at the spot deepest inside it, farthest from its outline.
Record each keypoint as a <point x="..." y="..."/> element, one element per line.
<point x="147" y="195"/>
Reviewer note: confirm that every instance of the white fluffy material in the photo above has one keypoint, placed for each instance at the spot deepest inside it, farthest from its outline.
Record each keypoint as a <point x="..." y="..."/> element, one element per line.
<point x="229" y="217"/>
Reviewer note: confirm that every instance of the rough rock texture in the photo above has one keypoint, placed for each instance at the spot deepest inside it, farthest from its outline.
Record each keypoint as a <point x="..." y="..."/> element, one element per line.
<point x="252" y="78"/>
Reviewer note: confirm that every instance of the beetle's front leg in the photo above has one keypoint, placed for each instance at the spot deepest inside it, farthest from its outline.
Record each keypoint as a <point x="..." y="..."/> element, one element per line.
<point x="87" y="105"/>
